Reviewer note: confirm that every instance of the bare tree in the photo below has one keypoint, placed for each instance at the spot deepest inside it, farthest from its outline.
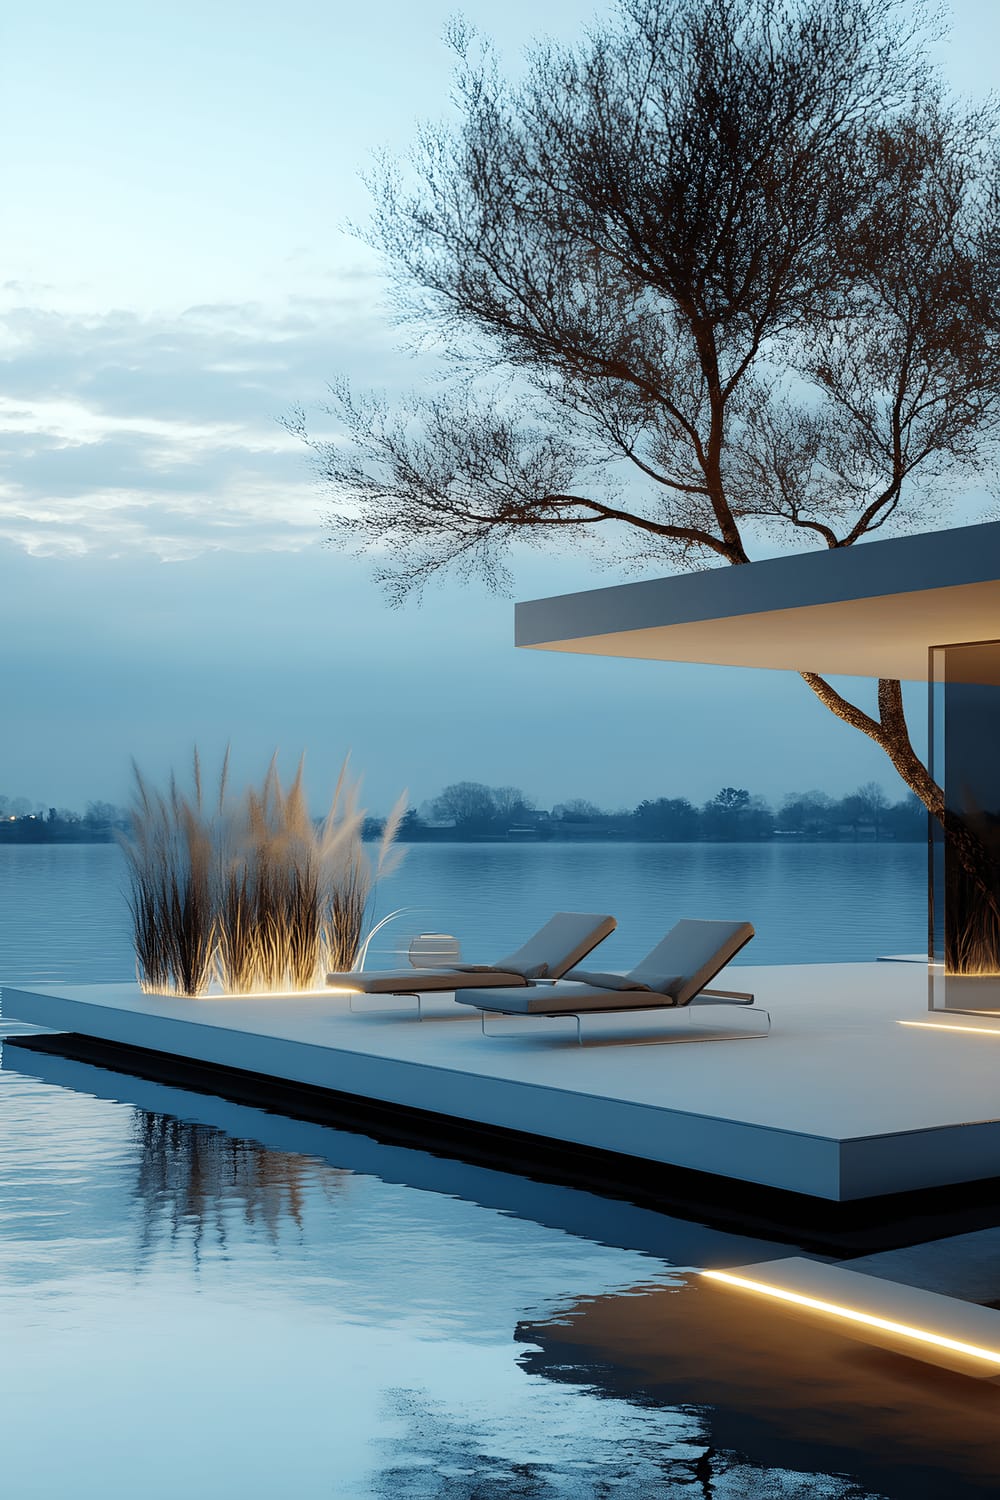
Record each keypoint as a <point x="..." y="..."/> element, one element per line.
<point x="468" y="804"/>
<point x="723" y="275"/>
<point x="511" y="804"/>
<point x="576" y="810"/>
<point x="874" y="801"/>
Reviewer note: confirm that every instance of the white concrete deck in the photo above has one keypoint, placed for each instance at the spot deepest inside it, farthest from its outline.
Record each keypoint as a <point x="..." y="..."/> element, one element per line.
<point x="840" y="1102"/>
<point x="924" y="1325"/>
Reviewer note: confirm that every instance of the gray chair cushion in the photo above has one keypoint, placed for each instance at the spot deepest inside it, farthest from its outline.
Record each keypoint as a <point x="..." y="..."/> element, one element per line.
<point x="555" y="999"/>
<point x="601" y="981"/>
<point x="674" y="973"/>
<point x="690" y="956"/>
<point x="565" y="939"/>
<point x="412" y="981"/>
<point x="527" y="971"/>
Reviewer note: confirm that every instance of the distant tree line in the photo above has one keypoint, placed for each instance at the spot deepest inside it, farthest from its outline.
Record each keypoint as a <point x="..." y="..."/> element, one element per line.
<point x="25" y="822"/>
<point x="468" y="810"/>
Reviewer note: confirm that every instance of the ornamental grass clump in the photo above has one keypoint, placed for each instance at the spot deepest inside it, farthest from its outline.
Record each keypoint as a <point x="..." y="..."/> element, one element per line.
<point x="170" y="864"/>
<point x="254" y="894"/>
<point x="351" y="876"/>
<point x="269" y="890"/>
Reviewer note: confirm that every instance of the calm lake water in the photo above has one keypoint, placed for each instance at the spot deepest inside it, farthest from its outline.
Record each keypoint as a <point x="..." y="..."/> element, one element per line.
<point x="202" y="1299"/>
<point x="63" y="914"/>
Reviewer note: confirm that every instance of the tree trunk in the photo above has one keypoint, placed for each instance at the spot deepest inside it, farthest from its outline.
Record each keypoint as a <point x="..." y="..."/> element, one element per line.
<point x="972" y="879"/>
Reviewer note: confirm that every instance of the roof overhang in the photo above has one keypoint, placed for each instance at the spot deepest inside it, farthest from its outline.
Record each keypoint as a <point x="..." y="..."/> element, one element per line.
<point x="872" y="610"/>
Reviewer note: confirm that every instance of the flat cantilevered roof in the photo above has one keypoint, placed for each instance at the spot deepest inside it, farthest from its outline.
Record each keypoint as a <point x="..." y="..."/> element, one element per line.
<point x="871" y="610"/>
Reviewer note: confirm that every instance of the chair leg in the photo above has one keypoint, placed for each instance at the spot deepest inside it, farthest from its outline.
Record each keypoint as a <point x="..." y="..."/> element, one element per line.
<point x="383" y="1010"/>
<point x="654" y="1041"/>
<point x="735" y="1036"/>
<point x="564" y="1015"/>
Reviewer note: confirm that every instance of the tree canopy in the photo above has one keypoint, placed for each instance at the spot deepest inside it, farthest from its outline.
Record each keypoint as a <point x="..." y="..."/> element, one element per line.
<point x="720" y="275"/>
<point x="718" y="279"/>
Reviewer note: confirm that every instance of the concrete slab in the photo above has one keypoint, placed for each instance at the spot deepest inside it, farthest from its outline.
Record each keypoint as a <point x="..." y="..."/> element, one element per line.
<point x="963" y="1265"/>
<point x="841" y="1103"/>
<point x="682" y="1242"/>
<point x="924" y="1325"/>
<point x="871" y="611"/>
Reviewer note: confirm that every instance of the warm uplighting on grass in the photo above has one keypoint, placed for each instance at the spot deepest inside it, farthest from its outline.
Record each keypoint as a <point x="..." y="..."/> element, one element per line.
<point x="855" y="1315"/>
<point x="328" y="989"/>
<point x="251" y="890"/>
<point x="955" y="1026"/>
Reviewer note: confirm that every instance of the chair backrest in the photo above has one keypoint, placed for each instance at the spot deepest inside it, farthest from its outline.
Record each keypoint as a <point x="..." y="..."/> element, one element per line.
<point x="690" y="956"/>
<point x="562" y="942"/>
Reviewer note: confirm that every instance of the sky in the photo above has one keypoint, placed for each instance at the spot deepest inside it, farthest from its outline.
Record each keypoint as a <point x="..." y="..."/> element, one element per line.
<point x="177" y="274"/>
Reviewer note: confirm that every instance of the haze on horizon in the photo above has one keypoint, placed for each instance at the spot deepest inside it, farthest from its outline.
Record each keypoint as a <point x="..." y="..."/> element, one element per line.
<point x="178" y="277"/>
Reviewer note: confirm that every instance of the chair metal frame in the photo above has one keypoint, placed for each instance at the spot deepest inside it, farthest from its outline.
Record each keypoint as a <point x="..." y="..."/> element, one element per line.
<point x="389" y="1010"/>
<point x="392" y="1010"/>
<point x="744" y="999"/>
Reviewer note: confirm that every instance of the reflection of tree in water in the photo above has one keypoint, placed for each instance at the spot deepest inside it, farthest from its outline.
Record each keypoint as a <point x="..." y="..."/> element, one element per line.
<point x="643" y="1450"/>
<point x="191" y="1177"/>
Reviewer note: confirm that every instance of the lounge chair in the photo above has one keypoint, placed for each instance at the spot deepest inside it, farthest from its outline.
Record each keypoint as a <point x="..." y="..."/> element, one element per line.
<point x="674" y="975"/>
<point x="555" y="948"/>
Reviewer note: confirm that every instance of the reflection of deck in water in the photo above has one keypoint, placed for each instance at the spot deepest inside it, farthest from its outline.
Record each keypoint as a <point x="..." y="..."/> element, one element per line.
<point x="236" y="1137"/>
<point x="782" y="1391"/>
<point x="840" y="1104"/>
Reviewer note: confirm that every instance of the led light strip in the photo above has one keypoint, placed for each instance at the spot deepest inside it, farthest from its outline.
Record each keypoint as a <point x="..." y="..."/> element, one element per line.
<point x="256" y="994"/>
<point x="853" y="1315"/>
<point x="953" y="1026"/>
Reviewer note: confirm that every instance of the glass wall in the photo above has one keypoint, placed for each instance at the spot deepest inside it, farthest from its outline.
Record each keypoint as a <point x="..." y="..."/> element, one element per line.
<point x="964" y="683"/>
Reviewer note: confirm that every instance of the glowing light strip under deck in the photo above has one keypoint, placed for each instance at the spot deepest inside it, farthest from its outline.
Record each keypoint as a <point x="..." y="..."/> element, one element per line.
<point x="953" y="1026"/>
<point x="854" y="1315"/>
<point x="254" y="994"/>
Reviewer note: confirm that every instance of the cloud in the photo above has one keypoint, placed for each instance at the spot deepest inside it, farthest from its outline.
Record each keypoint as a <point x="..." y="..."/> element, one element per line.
<point x="122" y="434"/>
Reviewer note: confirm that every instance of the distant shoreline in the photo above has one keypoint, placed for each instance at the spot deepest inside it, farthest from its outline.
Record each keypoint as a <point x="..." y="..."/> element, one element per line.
<point x="9" y="835"/>
<point x="68" y="834"/>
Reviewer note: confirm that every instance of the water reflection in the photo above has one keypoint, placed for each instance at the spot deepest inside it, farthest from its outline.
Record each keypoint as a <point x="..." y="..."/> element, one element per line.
<point x="319" y="1149"/>
<point x="190" y="1178"/>
<point x="386" y="1323"/>
<point x="629" y="1448"/>
<point x="64" y="917"/>
<point x="779" y="1388"/>
<point x="627" y="1452"/>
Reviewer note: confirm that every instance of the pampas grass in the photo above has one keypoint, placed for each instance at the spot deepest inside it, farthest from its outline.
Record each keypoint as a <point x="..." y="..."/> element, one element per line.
<point x="270" y="906"/>
<point x="253" y="894"/>
<point x="351" y="876"/>
<point x="170" y="863"/>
